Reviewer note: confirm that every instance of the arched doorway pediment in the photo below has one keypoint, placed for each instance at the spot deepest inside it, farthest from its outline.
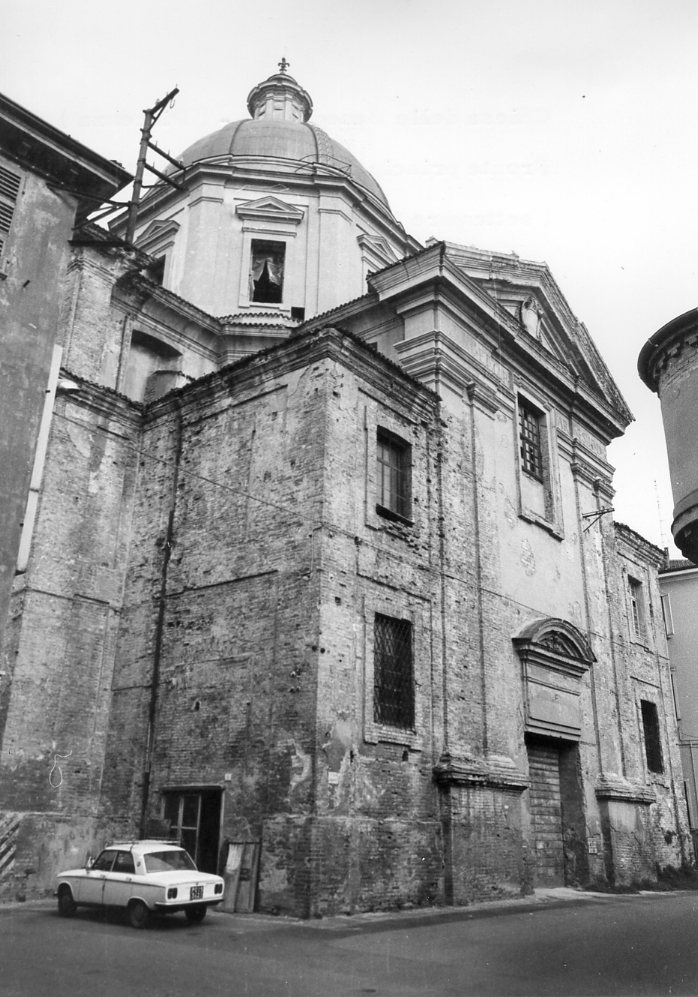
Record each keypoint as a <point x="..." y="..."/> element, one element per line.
<point x="556" y="644"/>
<point x="555" y="656"/>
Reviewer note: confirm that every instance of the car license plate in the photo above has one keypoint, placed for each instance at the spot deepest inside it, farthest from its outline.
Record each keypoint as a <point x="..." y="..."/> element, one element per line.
<point x="196" y="893"/>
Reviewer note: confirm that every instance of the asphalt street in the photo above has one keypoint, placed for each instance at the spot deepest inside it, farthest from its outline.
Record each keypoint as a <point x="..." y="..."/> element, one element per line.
<point x="634" y="945"/>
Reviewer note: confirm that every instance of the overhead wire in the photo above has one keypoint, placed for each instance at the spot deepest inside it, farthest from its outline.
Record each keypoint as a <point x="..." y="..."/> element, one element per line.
<point x="315" y="525"/>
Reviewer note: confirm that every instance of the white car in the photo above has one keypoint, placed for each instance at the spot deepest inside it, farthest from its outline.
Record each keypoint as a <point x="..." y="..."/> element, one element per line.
<point x="144" y="877"/>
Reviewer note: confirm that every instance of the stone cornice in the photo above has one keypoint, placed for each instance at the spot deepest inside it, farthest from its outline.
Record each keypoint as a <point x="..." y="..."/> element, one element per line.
<point x="511" y="270"/>
<point x="665" y="344"/>
<point x="587" y="465"/>
<point x="263" y="173"/>
<point x="608" y="788"/>
<point x="266" y="209"/>
<point x="302" y="350"/>
<point x="435" y="351"/>
<point x="450" y="771"/>
<point x="59" y="158"/>
<point x="430" y="279"/>
<point x="134" y="291"/>
<point x="102" y="401"/>
<point x="641" y="547"/>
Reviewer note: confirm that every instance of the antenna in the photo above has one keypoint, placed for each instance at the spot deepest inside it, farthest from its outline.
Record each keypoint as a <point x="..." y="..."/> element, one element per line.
<point x="660" y="518"/>
<point x="151" y="115"/>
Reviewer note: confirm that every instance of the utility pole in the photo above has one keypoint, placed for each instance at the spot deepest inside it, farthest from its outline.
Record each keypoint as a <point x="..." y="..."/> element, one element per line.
<point x="151" y="116"/>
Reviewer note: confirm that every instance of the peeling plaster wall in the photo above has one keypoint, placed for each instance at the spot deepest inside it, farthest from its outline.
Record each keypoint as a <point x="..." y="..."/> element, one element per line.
<point x="31" y="286"/>
<point x="216" y="562"/>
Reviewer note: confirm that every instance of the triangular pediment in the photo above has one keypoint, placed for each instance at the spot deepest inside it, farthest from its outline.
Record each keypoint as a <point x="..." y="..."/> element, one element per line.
<point x="376" y="250"/>
<point x="531" y="311"/>
<point x="157" y="232"/>
<point x="529" y="293"/>
<point x="270" y="208"/>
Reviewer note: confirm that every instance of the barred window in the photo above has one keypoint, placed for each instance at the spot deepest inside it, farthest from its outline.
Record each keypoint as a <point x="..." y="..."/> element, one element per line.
<point x="530" y="420"/>
<point x="653" y="743"/>
<point x="393" y="473"/>
<point x="393" y="688"/>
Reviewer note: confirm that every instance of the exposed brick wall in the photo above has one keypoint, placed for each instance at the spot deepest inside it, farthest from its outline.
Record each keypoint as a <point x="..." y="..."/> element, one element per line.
<point x="488" y="852"/>
<point x="217" y="564"/>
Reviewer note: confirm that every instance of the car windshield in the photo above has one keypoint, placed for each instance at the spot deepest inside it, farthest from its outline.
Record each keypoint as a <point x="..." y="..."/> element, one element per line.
<point x="167" y="861"/>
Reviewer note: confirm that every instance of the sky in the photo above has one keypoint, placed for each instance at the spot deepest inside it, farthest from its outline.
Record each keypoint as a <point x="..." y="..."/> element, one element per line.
<point x="562" y="131"/>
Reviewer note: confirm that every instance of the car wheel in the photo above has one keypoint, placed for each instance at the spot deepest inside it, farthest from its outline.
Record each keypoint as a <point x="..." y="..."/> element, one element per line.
<point x="66" y="905"/>
<point x="195" y="914"/>
<point x="138" y="914"/>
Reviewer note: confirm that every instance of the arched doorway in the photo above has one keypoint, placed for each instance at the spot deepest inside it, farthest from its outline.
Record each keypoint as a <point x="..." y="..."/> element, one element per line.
<point x="555" y="658"/>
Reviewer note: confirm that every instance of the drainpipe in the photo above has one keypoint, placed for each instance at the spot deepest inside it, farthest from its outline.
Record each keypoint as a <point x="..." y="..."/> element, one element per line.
<point x="27" y="526"/>
<point x="160" y="622"/>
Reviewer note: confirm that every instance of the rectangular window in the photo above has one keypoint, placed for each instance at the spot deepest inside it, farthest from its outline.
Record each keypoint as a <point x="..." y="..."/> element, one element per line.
<point x="637" y="606"/>
<point x="9" y="189"/>
<point x="124" y="863"/>
<point x="667" y="615"/>
<point x="393" y="475"/>
<point x="653" y="744"/>
<point x="267" y="272"/>
<point x="393" y="688"/>
<point x="530" y="439"/>
<point x="156" y="271"/>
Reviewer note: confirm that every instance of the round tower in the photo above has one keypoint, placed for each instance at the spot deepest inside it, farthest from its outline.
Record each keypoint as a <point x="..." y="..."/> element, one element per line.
<point x="668" y="364"/>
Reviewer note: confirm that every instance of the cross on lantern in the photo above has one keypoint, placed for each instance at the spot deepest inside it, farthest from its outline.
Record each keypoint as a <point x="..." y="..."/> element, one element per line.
<point x="283" y="65"/>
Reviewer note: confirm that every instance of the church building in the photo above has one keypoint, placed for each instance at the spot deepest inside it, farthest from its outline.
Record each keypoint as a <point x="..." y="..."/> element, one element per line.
<point x="322" y="576"/>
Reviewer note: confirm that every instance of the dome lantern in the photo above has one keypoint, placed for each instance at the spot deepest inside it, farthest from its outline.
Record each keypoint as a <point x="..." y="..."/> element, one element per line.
<point x="280" y="98"/>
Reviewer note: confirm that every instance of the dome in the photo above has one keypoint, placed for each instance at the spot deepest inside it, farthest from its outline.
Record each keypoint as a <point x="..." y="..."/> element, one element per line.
<point x="279" y="129"/>
<point x="294" y="141"/>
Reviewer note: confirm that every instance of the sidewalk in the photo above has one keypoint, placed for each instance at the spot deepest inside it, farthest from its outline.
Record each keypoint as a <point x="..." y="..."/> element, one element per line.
<point x="562" y="896"/>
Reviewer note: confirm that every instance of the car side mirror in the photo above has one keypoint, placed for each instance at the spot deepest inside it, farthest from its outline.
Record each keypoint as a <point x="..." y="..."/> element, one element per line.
<point x="89" y="861"/>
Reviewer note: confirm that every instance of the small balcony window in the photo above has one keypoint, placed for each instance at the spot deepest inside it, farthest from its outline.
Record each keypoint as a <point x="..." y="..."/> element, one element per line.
<point x="267" y="272"/>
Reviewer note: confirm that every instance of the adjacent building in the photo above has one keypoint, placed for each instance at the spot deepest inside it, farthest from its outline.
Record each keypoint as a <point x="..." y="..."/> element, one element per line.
<point x="48" y="184"/>
<point x="323" y="577"/>
<point x="668" y="364"/>
<point x="678" y="584"/>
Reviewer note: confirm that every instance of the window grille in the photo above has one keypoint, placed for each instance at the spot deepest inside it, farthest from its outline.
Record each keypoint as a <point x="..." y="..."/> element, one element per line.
<point x="530" y="439"/>
<point x="653" y="743"/>
<point x="393" y="690"/>
<point x="393" y="466"/>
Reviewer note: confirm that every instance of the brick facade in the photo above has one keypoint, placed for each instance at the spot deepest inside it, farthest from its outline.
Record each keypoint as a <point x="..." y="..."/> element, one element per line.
<point x="354" y="604"/>
<point x="212" y="566"/>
